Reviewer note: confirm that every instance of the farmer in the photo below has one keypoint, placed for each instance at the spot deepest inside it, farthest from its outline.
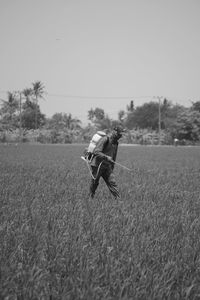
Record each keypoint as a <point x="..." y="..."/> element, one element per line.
<point x="102" y="163"/>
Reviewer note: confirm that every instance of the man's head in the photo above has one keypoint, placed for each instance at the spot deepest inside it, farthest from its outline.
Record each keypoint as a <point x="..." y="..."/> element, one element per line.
<point x="117" y="132"/>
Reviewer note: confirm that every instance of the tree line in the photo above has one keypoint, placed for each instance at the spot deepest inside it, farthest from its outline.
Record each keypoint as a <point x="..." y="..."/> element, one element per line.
<point x="153" y="122"/>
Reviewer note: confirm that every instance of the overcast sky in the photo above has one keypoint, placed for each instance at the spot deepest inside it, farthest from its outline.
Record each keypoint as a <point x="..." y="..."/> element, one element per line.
<point x="104" y="53"/>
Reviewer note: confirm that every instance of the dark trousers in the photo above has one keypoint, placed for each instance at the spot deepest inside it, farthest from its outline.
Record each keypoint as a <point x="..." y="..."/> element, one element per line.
<point x="106" y="173"/>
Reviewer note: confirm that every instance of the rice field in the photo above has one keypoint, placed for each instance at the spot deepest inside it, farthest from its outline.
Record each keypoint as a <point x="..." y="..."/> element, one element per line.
<point x="56" y="243"/>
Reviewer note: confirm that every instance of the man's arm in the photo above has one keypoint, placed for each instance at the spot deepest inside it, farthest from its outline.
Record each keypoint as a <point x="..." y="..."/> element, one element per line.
<point x="114" y="157"/>
<point x="115" y="153"/>
<point x="98" y="152"/>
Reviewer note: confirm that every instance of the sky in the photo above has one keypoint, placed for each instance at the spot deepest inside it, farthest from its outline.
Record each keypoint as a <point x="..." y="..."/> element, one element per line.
<point x="101" y="53"/>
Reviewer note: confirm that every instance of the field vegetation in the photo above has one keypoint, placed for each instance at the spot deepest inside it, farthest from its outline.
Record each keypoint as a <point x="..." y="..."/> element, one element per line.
<point x="56" y="243"/>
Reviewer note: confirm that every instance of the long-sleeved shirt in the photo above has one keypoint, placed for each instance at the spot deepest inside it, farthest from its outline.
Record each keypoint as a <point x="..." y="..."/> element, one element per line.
<point x="105" y="147"/>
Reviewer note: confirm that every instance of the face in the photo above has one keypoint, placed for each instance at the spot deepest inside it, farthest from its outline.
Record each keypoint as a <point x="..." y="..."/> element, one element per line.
<point x="116" y="135"/>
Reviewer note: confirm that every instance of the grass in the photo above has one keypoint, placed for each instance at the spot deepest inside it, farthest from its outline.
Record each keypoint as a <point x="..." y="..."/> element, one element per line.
<point x="56" y="243"/>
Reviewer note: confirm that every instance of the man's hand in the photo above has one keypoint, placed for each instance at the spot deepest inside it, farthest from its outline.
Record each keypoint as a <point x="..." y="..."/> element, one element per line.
<point x="109" y="158"/>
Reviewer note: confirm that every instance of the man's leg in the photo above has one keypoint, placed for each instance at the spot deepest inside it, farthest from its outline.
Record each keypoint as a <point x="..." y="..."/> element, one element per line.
<point x="93" y="186"/>
<point x="94" y="182"/>
<point x="109" y="179"/>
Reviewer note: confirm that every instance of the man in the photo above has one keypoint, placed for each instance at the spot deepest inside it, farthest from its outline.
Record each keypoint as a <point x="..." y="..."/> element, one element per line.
<point x="102" y="163"/>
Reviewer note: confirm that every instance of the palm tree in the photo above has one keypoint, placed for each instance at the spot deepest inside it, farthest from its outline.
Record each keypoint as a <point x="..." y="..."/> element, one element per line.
<point x="28" y="92"/>
<point x="12" y="105"/>
<point x="9" y="109"/>
<point x="38" y="91"/>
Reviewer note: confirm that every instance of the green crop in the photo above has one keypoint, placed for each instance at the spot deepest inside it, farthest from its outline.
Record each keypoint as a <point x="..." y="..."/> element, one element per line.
<point x="56" y="243"/>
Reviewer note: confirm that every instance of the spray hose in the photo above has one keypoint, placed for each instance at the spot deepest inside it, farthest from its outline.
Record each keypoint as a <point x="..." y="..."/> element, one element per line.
<point x="89" y="168"/>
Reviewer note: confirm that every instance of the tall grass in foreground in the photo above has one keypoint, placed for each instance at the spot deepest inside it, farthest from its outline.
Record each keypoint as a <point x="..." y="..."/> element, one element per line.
<point x="56" y="243"/>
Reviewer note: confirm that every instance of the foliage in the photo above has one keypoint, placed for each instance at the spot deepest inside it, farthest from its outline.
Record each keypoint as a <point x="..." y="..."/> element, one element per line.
<point x="145" y="116"/>
<point x="9" y="111"/>
<point x="129" y="121"/>
<point x="100" y="120"/>
<point x="175" y="120"/>
<point x="61" y="121"/>
<point x="196" y="106"/>
<point x="96" y="115"/>
<point x="31" y="115"/>
<point x="83" y="135"/>
<point x="38" y="90"/>
<point x="28" y="92"/>
<point x="121" y="115"/>
<point x="169" y="116"/>
<point x="28" y="115"/>
<point x="58" y="244"/>
<point x="188" y="126"/>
